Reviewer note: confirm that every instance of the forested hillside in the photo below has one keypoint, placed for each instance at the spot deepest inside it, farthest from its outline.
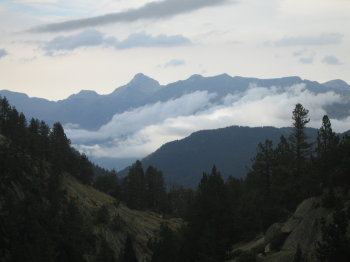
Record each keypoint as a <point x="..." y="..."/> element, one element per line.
<point x="47" y="215"/>
<point x="49" y="211"/>
<point x="231" y="149"/>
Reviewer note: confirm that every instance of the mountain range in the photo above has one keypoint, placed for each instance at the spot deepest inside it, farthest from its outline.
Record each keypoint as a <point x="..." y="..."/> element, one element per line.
<point x="134" y="120"/>
<point x="89" y="110"/>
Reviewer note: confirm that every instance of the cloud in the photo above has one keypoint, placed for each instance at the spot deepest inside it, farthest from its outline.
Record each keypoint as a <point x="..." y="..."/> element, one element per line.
<point x="93" y="37"/>
<point x="174" y="63"/>
<point x="300" y="52"/>
<point x="144" y="40"/>
<point x="322" y="39"/>
<point x="306" y="60"/>
<point x="331" y="60"/>
<point x="3" y="53"/>
<point x="129" y="122"/>
<point x="141" y="131"/>
<point x="152" y="10"/>
<point x="67" y="43"/>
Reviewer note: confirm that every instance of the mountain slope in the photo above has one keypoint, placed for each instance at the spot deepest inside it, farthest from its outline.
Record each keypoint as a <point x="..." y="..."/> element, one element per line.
<point x="230" y="149"/>
<point x="35" y="204"/>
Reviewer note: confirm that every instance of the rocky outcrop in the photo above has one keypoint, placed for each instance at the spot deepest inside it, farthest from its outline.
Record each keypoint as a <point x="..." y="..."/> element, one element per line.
<point x="281" y="240"/>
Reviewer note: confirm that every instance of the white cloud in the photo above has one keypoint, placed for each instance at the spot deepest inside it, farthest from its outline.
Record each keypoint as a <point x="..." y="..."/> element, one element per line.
<point x="322" y="39"/>
<point x="141" y="131"/>
<point x="174" y="63"/>
<point x="3" y="53"/>
<point x="93" y="37"/>
<point x="124" y="124"/>
<point x="331" y="60"/>
<point x="306" y="60"/>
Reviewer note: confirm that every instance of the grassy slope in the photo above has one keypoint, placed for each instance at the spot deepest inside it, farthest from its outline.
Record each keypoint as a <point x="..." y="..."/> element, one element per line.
<point x="142" y="226"/>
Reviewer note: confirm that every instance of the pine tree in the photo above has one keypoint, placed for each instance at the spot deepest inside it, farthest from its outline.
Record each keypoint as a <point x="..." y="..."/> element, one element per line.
<point x="60" y="148"/>
<point x="262" y="168"/>
<point x="299" y="138"/>
<point x="327" y="143"/>
<point x="155" y="189"/>
<point x="134" y="186"/>
<point x="335" y="243"/>
<point x="210" y="227"/>
<point x="167" y="247"/>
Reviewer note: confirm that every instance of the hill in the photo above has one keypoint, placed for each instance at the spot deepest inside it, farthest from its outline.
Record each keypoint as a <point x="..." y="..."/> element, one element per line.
<point x="231" y="149"/>
<point x="27" y="193"/>
<point x="48" y="209"/>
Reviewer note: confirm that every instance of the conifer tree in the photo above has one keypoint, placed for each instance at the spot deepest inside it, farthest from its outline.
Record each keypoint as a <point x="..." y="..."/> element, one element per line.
<point x="299" y="138"/>
<point x="134" y="187"/>
<point x="155" y="189"/>
<point x="327" y="143"/>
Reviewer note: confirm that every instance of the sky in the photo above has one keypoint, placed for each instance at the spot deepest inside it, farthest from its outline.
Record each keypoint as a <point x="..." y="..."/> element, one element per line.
<point x="54" y="48"/>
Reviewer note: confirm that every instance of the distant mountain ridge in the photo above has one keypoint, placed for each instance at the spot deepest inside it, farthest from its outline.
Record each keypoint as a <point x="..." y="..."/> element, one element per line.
<point x="90" y="110"/>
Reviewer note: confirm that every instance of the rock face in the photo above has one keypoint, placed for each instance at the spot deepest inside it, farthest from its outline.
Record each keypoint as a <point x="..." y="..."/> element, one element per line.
<point x="280" y="241"/>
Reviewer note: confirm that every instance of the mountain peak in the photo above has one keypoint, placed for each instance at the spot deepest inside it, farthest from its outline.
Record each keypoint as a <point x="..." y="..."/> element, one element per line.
<point x="139" y="78"/>
<point x="84" y="94"/>
<point x="336" y="83"/>
<point x="195" y="77"/>
<point x="142" y="81"/>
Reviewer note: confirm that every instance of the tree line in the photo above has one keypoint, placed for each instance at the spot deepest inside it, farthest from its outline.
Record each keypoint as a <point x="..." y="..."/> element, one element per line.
<point x="42" y="142"/>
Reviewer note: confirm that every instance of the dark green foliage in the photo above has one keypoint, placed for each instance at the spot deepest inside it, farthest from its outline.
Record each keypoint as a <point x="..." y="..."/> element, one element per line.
<point x="43" y="225"/>
<point x="134" y="187"/>
<point x="210" y="228"/>
<point x="326" y="151"/>
<point x="145" y="190"/>
<point x="117" y="224"/>
<point x="155" y="189"/>
<point x="299" y="143"/>
<point x="335" y="244"/>
<point x="42" y="143"/>
<point x="128" y="254"/>
<point x="106" y="254"/>
<point x="299" y="256"/>
<point x="180" y="201"/>
<point x="102" y="216"/>
<point x="84" y="170"/>
<point x="38" y="222"/>
<point x="108" y="183"/>
<point x="329" y="199"/>
<point x="167" y="247"/>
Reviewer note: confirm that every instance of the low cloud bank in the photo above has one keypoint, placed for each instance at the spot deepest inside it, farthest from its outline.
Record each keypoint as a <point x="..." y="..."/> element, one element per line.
<point x="141" y="131"/>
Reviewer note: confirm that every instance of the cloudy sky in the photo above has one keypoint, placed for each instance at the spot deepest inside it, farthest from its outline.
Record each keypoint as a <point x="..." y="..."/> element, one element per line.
<point x="53" y="48"/>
